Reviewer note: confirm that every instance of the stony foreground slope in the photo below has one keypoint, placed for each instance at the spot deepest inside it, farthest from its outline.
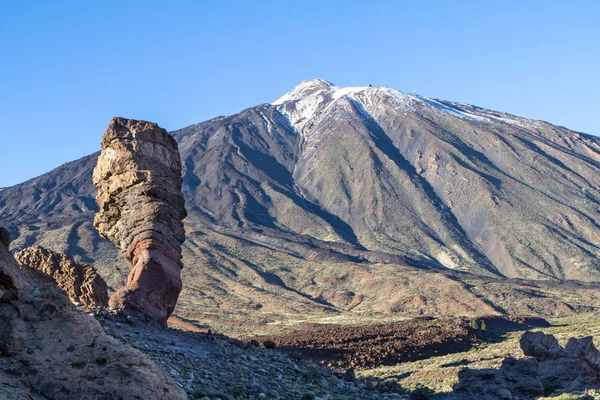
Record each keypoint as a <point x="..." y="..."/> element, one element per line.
<point x="49" y="349"/>
<point x="368" y="180"/>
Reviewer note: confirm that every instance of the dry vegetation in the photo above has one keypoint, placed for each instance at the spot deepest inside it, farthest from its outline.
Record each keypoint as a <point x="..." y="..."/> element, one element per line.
<point x="439" y="374"/>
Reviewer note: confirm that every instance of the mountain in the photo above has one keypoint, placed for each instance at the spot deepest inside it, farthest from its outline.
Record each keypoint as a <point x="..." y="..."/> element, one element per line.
<point x="293" y="205"/>
<point x="380" y="170"/>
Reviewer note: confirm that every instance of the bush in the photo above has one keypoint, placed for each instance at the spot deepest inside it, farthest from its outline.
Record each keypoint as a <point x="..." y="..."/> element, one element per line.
<point x="269" y="344"/>
<point x="478" y="324"/>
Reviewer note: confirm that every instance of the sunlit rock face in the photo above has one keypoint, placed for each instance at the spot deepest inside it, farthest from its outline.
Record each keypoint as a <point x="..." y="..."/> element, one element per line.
<point x="49" y="346"/>
<point x="141" y="208"/>
<point x="79" y="281"/>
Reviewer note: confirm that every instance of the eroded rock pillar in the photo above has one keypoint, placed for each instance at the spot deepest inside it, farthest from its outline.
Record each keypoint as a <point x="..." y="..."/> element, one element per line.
<point x="138" y="177"/>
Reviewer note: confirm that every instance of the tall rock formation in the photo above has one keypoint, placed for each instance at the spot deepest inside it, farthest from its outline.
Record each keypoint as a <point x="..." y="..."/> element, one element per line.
<point x="138" y="177"/>
<point x="79" y="281"/>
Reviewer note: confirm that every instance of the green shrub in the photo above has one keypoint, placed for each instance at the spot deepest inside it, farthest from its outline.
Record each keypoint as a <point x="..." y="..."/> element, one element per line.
<point x="478" y="324"/>
<point x="269" y="344"/>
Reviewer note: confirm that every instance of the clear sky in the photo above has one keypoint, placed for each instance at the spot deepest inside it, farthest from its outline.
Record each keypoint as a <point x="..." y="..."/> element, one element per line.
<point x="67" y="67"/>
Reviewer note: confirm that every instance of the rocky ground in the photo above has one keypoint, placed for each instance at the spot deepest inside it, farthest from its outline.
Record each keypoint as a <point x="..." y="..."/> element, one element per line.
<point x="441" y="373"/>
<point x="373" y="345"/>
<point x="457" y="358"/>
<point x="210" y="366"/>
<point x="476" y="361"/>
<point x="49" y="349"/>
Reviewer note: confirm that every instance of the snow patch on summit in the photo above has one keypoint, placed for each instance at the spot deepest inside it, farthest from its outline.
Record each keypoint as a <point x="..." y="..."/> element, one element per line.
<point x="375" y="98"/>
<point x="456" y="111"/>
<point x="304" y="89"/>
<point x="312" y="98"/>
<point x="301" y="111"/>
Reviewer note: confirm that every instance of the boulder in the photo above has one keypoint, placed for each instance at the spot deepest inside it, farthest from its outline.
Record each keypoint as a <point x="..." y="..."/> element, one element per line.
<point x="483" y="384"/>
<point x="521" y="377"/>
<point x="50" y="348"/>
<point x="578" y="369"/>
<point x="585" y="349"/>
<point x="516" y="379"/>
<point x="549" y="367"/>
<point x="79" y="281"/>
<point x="141" y="208"/>
<point x="541" y="346"/>
<point x="573" y="367"/>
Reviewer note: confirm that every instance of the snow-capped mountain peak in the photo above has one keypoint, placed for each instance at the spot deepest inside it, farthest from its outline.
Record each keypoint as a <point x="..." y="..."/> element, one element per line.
<point x="305" y="89"/>
<point x="311" y="98"/>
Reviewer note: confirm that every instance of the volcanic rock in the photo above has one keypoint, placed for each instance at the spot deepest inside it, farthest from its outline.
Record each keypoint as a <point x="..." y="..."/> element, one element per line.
<point x="12" y="327"/>
<point x="4" y="237"/>
<point x="138" y="176"/>
<point x="550" y="366"/>
<point x="49" y="347"/>
<point x="585" y="349"/>
<point x="541" y="346"/>
<point x="516" y="378"/>
<point x="9" y="282"/>
<point x="350" y="375"/>
<point x="521" y="377"/>
<point x="366" y="346"/>
<point x="79" y="281"/>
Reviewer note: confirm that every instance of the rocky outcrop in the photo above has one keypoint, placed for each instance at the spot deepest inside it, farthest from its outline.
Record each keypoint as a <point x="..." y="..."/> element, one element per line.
<point x="4" y="237"/>
<point x="516" y="379"/>
<point x="585" y="349"/>
<point x="50" y="349"/>
<point x="12" y="326"/>
<point x="138" y="177"/>
<point x="548" y="367"/>
<point x="79" y="281"/>
<point x="540" y="345"/>
<point x="576" y="366"/>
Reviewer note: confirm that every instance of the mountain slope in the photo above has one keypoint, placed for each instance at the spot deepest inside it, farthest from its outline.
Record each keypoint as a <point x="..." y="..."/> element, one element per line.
<point x="349" y="177"/>
<point x="380" y="170"/>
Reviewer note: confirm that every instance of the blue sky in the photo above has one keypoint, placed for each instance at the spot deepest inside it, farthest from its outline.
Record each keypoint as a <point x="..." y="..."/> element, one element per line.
<point x="67" y="67"/>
